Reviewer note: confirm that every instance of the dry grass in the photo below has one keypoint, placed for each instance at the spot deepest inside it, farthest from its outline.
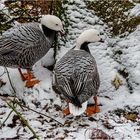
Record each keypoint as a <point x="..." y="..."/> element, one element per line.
<point x="27" y="11"/>
<point x="115" y="14"/>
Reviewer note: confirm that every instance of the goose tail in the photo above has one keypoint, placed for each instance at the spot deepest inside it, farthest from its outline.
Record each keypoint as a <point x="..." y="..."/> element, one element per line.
<point x="75" y="110"/>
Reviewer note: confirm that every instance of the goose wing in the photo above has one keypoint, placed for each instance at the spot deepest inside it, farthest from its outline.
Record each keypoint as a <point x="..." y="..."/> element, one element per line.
<point x="21" y="37"/>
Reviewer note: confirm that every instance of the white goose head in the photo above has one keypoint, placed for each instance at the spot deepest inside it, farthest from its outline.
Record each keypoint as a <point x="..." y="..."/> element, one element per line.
<point x="52" y="22"/>
<point x="88" y="36"/>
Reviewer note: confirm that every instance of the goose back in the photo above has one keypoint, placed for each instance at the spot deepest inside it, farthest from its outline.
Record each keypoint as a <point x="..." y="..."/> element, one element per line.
<point x="76" y="76"/>
<point x="23" y="45"/>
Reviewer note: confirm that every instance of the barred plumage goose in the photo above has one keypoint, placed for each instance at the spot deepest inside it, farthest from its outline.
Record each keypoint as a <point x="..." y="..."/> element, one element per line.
<point x="76" y="76"/>
<point x="23" y="45"/>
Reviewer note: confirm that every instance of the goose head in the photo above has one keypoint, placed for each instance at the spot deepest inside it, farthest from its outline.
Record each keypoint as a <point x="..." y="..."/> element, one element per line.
<point x="88" y="36"/>
<point x="52" y="22"/>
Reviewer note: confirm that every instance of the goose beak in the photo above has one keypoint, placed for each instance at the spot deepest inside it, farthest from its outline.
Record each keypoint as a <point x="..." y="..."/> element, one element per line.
<point x="62" y="32"/>
<point x="101" y="40"/>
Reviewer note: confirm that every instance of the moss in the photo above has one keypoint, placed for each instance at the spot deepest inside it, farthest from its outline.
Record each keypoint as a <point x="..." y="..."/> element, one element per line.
<point x="114" y="13"/>
<point x="136" y="1"/>
<point x="26" y="11"/>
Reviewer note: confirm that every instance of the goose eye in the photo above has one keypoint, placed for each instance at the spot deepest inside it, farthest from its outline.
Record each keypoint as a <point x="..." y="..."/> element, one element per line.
<point x="56" y="24"/>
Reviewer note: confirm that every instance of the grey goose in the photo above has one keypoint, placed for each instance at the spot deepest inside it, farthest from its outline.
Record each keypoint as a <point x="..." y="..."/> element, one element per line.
<point x="76" y="76"/>
<point x="23" y="45"/>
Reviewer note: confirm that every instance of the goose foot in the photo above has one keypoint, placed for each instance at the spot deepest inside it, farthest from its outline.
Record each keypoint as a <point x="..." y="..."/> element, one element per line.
<point x="93" y="109"/>
<point x="26" y="76"/>
<point x="30" y="84"/>
<point x="66" y="111"/>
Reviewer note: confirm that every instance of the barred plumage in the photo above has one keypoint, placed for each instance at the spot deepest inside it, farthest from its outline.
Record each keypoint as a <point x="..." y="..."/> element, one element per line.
<point x="76" y="75"/>
<point x="23" y="45"/>
<point x="77" y="67"/>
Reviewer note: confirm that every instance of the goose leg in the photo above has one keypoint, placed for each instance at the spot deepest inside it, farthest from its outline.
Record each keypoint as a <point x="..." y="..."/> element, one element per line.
<point x="93" y="109"/>
<point x="30" y="83"/>
<point x="24" y="76"/>
<point x="66" y="111"/>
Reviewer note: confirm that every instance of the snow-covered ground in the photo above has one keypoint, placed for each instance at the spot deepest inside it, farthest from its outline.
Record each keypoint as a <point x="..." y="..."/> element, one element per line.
<point x="115" y="57"/>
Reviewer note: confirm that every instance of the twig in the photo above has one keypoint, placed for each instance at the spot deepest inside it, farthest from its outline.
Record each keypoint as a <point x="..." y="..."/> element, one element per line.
<point x="38" y="112"/>
<point x="10" y="81"/>
<point x="11" y="84"/>
<point x="15" y="101"/>
<point x="13" y="108"/>
<point x="4" y="99"/>
<point x="3" y="73"/>
<point x="136" y="107"/>
<point x="23" y="120"/>
<point x="23" y="106"/>
<point x="2" y="124"/>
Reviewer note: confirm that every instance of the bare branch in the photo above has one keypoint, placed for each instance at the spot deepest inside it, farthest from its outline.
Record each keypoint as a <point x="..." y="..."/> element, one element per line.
<point x="38" y="112"/>
<point x="23" y="120"/>
<point x="10" y="81"/>
<point x="2" y="124"/>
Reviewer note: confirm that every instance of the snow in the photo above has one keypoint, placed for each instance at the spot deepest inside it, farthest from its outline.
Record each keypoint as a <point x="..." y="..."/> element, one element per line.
<point x="43" y="99"/>
<point x="135" y="11"/>
<point x="1" y="6"/>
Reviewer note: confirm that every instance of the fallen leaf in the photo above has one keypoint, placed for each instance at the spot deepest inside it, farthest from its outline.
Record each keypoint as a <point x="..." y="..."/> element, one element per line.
<point x="117" y="82"/>
<point x="100" y="134"/>
<point x="107" y="125"/>
<point x="132" y="116"/>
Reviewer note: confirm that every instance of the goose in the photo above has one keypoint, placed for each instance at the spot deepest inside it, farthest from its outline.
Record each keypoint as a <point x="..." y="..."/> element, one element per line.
<point x="23" y="45"/>
<point x="76" y="76"/>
